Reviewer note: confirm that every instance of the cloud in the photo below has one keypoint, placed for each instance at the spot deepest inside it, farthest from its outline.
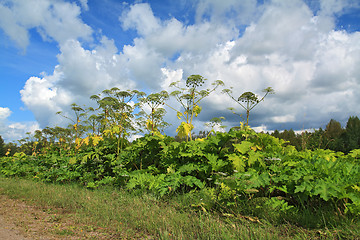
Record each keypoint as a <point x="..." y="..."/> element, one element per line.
<point x="171" y="36"/>
<point x="10" y="131"/>
<point x="310" y="66"/>
<point x="283" y="44"/>
<point x="231" y="11"/>
<point x="16" y="32"/>
<point x="17" y="131"/>
<point x="286" y="45"/>
<point x="162" y="41"/>
<point x="80" y="74"/>
<point x="283" y="119"/>
<point x="84" y="4"/>
<point x="140" y="17"/>
<point x="4" y="113"/>
<point x="285" y="28"/>
<point x="54" y="20"/>
<point x="332" y="7"/>
<point x="337" y="59"/>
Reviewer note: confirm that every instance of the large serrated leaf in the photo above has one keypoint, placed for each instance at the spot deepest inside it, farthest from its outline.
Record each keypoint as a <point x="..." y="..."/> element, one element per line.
<point x="243" y="147"/>
<point x="254" y="157"/>
<point x="238" y="162"/>
<point x="216" y="164"/>
<point x="325" y="190"/>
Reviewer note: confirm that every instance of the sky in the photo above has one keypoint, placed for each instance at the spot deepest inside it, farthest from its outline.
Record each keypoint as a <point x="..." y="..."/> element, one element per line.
<point x="57" y="52"/>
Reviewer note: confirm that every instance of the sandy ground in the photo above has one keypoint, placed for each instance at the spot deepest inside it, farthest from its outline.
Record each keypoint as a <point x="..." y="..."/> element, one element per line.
<point x="9" y="231"/>
<point x="21" y="221"/>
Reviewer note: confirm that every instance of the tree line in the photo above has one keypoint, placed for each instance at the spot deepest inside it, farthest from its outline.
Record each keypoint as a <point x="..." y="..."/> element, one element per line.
<point x="333" y="137"/>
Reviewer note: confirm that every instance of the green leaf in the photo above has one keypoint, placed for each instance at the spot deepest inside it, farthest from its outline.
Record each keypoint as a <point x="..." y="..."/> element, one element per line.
<point x="238" y="162"/>
<point x="188" y="168"/>
<point x="254" y="157"/>
<point x="72" y="160"/>
<point x="355" y="153"/>
<point x="243" y="147"/>
<point x="191" y="181"/>
<point x="304" y="186"/>
<point x="216" y="164"/>
<point x="262" y="180"/>
<point x="325" y="190"/>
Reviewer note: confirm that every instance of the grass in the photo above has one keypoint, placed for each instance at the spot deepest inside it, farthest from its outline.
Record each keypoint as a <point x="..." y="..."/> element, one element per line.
<point x="121" y="214"/>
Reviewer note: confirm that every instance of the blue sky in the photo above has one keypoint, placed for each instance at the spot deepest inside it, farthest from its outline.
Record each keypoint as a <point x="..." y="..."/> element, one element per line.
<point x="56" y="52"/>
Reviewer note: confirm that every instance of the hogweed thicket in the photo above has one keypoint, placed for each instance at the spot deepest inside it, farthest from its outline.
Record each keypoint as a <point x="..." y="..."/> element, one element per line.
<point x="230" y="169"/>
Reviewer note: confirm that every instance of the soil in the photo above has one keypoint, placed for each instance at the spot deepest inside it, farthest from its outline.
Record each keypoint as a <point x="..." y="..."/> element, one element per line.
<point x="23" y="221"/>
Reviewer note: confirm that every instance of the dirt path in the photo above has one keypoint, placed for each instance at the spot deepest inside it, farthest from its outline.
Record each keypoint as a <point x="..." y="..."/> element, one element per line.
<point x="9" y="231"/>
<point x="21" y="221"/>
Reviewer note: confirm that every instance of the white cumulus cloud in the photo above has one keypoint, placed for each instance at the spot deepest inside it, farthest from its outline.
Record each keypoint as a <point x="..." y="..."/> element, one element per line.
<point x="4" y="113"/>
<point x="10" y="131"/>
<point x="54" y="20"/>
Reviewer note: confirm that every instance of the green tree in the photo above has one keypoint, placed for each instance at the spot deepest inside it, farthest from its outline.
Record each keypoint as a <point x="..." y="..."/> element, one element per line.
<point x="248" y="100"/>
<point x="333" y="135"/>
<point x="290" y="136"/>
<point x="2" y="147"/>
<point x="316" y="139"/>
<point x="276" y="133"/>
<point x="352" y="134"/>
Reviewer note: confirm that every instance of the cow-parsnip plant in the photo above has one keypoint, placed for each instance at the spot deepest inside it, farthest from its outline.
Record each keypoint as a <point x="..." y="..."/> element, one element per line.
<point x="248" y="100"/>
<point x="152" y="113"/>
<point x="189" y="98"/>
<point x="78" y="128"/>
<point x="117" y="112"/>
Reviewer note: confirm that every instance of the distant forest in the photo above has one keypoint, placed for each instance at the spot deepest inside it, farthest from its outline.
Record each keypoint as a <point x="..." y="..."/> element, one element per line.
<point x="333" y="137"/>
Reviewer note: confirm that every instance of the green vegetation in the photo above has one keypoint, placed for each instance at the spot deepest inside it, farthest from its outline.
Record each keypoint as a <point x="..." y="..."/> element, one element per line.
<point x="240" y="181"/>
<point x="334" y="137"/>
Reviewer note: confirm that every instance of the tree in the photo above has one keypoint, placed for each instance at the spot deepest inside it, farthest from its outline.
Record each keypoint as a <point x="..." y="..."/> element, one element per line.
<point x="248" y="100"/>
<point x="316" y="139"/>
<point x="2" y="147"/>
<point x="333" y="129"/>
<point x="79" y="113"/>
<point x="10" y="148"/>
<point x="352" y="134"/>
<point x="276" y="133"/>
<point x="77" y="127"/>
<point x="333" y="134"/>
